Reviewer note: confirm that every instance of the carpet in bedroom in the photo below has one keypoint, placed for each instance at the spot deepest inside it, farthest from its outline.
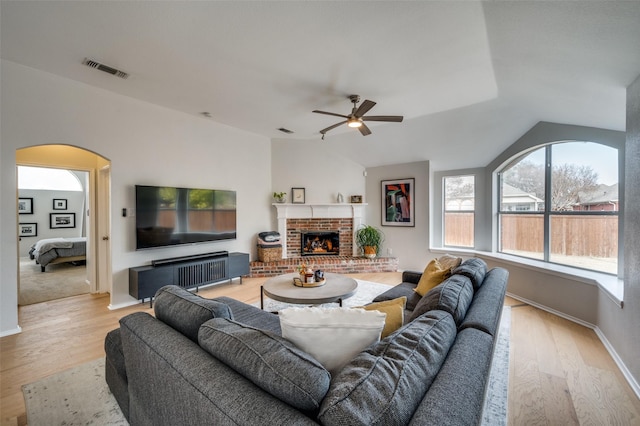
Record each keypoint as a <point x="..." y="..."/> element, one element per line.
<point x="58" y="281"/>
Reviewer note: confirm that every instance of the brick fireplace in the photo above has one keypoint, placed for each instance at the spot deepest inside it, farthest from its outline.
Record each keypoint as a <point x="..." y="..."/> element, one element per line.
<point x="343" y="218"/>
<point x="296" y="219"/>
<point x="297" y="229"/>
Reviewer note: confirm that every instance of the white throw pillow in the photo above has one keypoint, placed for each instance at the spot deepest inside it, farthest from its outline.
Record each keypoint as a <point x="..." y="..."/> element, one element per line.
<point x="333" y="336"/>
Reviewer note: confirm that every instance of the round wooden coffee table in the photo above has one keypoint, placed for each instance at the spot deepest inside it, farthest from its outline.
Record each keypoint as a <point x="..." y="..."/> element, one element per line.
<point x="281" y="288"/>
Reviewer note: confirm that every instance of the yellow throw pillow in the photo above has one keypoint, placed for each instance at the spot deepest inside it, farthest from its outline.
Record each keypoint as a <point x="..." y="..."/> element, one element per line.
<point x="395" y="313"/>
<point x="449" y="261"/>
<point x="433" y="275"/>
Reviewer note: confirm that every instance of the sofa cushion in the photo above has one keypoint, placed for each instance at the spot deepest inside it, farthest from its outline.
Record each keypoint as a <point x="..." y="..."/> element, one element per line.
<point x="333" y="336"/>
<point x="251" y="315"/>
<point x="385" y="384"/>
<point x="269" y="361"/>
<point x="475" y="269"/>
<point x="484" y="313"/>
<point x="433" y="275"/>
<point x="395" y="313"/>
<point x="403" y="289"/>
<point x="186" y="312"/>
<point x="454" y="296"/>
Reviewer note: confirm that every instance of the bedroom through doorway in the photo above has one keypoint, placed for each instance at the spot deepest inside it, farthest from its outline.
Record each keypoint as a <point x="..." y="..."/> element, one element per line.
<point x="52" y="233"/>
<point x="82" y="214"/>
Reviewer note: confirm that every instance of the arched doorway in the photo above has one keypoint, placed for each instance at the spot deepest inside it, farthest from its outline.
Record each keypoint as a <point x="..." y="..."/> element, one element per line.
<point x="97" y="211"/>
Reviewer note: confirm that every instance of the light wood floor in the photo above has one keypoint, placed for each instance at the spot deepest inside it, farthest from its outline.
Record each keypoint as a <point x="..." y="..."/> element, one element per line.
<point x="560" y="373"/>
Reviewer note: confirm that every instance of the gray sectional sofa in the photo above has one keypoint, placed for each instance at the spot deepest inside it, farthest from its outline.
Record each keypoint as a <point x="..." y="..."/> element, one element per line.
<point x="223" y="362"/>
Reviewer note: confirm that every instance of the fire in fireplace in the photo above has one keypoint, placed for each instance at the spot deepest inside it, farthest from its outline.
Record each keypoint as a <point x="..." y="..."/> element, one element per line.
<point x="320" y="243"/>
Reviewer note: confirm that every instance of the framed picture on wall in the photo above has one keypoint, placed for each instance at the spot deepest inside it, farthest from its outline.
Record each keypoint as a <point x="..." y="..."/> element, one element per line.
<point x="398" y="202"/>
<point x="62" y="220"/>
<point x="297" y="195"/>
<point x="27" y="230"/>
<point x="59" y="204"/>
<point x="25" y="205"/>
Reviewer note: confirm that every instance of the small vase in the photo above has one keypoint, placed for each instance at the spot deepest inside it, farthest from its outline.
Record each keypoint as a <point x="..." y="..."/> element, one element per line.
<point x="280" y="200"/>
<point x="340" y="198"/>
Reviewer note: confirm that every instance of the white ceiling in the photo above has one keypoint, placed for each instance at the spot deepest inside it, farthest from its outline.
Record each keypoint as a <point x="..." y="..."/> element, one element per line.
<point x="469" y="77"/>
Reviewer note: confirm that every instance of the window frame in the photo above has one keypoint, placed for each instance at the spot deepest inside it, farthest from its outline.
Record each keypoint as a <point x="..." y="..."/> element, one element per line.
<point x="461" y="210"/>
<point x="548" y="212"/>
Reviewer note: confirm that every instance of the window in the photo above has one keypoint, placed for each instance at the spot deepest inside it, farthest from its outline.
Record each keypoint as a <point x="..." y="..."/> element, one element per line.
<point x="459" y="211"/>
<point x="559" y="204"/>
<point x="45" y="178"/>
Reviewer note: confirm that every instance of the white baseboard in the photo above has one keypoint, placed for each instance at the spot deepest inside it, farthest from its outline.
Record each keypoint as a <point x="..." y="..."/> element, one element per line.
<point x="553" y="311"/>
<point x="113" y="307"/>
<point x="621" y="365"/>
<point x="16" y="330"/>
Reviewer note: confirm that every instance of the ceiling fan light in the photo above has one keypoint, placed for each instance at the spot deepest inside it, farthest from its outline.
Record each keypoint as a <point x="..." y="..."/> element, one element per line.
<point x="355" y="123"/>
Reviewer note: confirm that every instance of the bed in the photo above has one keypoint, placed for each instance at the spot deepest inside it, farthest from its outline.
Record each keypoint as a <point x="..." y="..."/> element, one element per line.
<point x="50" y="251"/>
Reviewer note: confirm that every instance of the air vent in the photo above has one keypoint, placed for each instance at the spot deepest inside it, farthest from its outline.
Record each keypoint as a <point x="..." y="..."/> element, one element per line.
<point x="287" y="131"/>
<point x="105" y="68"/>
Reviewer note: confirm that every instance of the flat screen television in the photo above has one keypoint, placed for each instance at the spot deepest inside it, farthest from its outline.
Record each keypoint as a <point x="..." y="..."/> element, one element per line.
<point x="168" y="216"/>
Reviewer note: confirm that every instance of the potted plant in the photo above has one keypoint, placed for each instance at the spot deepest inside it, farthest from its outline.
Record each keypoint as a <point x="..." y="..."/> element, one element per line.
<point x="280" y="197"/>
<point x="369" y="239"/>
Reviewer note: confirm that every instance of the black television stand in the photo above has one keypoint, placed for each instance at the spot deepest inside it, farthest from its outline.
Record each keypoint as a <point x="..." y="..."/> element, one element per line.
<point x="187" y="272"/>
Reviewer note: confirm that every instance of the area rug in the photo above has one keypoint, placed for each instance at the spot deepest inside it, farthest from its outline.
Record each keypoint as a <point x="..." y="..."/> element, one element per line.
<point x="80" y="396"/>
<point x="58" y="281"/>
<point x="496" y="402"/>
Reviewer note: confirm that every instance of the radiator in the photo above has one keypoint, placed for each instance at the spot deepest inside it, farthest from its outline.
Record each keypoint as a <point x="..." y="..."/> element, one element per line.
<point x="196" y="274"/>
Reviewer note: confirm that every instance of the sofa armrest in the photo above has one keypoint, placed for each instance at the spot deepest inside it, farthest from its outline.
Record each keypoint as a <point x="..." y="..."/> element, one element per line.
<point x="456" y="396"/>
<point x="412" y="277"/>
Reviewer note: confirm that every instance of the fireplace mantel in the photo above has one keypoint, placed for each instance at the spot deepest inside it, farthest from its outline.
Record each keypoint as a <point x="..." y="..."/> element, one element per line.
<point x="286" y="211"/>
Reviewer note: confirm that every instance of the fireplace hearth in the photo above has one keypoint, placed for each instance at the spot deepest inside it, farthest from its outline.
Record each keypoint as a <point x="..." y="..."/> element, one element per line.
<point x="319" y="243"/>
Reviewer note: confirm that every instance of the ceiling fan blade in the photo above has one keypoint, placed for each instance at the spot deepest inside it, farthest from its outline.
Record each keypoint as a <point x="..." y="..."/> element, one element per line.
<point x="394" y="118"/>
<point x="364" y="107"/>
<point x="323" y="131"/>
<point x="364" y="130"/>
<point x="330" y="113"/>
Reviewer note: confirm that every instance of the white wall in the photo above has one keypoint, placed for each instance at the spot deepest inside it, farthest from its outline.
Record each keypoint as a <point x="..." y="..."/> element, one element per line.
<point x="409" y="244"/>
<point x="146" y="144"/>
<point x="322" y="172"/>
<point x="621" y="326"/>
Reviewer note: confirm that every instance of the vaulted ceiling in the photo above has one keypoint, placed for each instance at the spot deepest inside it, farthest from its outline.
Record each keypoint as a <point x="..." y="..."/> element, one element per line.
<point x="469" y="77"/>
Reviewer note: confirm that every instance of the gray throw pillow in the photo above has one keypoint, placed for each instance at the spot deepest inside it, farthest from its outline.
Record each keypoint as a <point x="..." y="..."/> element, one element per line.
<point x="274" y="364"/>
<point x="385" y="383"/>
<point x="186" y="312"/>
<point x="475" y="269"/>
<point x="453" y="295"/>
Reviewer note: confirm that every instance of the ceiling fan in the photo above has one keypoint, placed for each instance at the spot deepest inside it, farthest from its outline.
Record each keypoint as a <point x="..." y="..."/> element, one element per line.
<point x="357" y="117"/>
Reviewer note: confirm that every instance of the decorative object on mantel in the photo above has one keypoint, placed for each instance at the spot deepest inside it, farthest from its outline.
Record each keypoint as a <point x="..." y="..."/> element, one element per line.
<point x="397" y="202"/>
<point x="356" y="199"/>
<point x="340" y="198"/>
<point x="280" y="197"/>
<point x="369" y="239"/>
<point x="297" y="195"/>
